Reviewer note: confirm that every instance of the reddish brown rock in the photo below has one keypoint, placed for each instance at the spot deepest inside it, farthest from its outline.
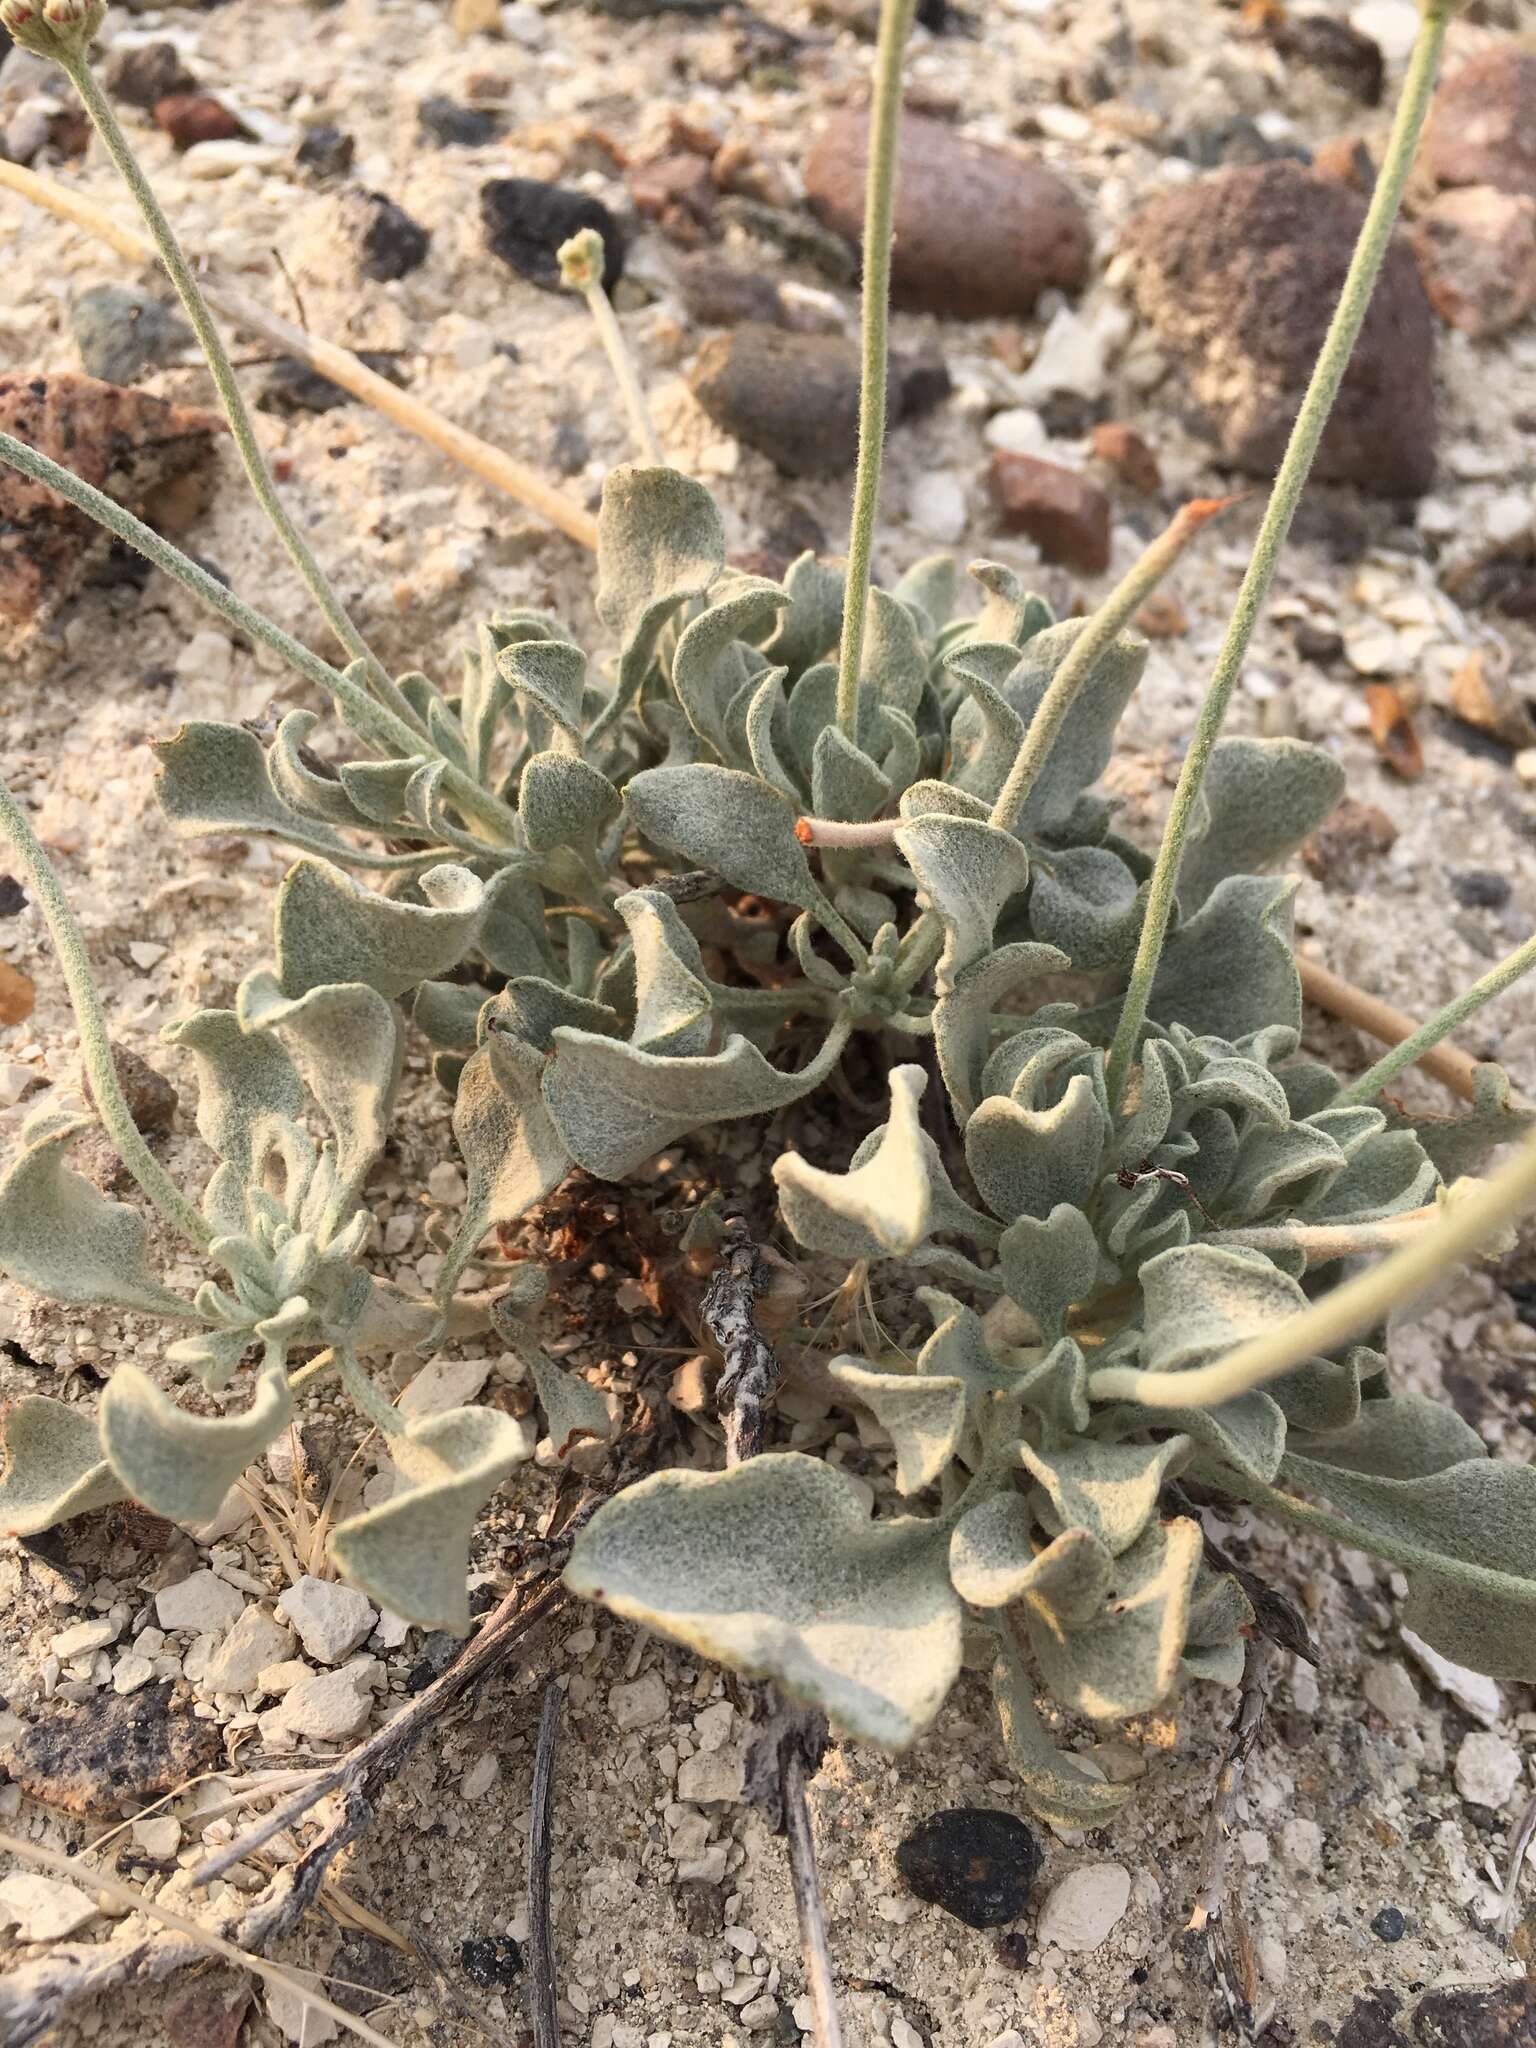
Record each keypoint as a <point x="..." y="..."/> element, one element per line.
<point x="1162" y="617"/>
<point x="1123" y="450"/>
<point x="112" y="1752"/>
<point x="980" y="231"/>
<point x="1346" y="160"/>
<point x="1482" y="125"/>
<point x="1237" y="274"/>
<point x="1351" y="834"/>
<point x="1066" y="515"/>
<point x="1353" y="61"/>
<point x="1477" y="256"/>
<point x="209" y="2012"/>
<point x="678" y="193"/>
<point x="123" y="441"/>
<point x="189" y="117"/>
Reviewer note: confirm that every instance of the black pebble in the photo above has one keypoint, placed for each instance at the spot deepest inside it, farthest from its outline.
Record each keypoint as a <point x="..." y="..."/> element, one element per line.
<point x="975" y="1861"/>
<point x="327" y="151"/>
<point x="291" y="387"/>
<point x="393" y="244"/>
<point x="450" y="126"/>
<point x="1389" y="1924"/>
<point x="1320" y="645"/>
<point x="491" y="1960"/>
<point x="13" y="898"/>
<point x="1480" y="889"/>
<point x="527" y="220"/>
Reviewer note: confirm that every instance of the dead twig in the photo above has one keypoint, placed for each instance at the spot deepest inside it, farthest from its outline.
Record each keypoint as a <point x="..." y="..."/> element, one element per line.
<point x="490" y="464"/>
<point x="694" y="887"/>
<point x="1273" y="1615"/>
<point x="1523" y="1835"/>
<point x="751" y="1365"/>
<point x="1217" y="1910"/>
<point x="543" y="1993"/>
<point x="787" y="1750"/>
<point x="1340" y="998"/>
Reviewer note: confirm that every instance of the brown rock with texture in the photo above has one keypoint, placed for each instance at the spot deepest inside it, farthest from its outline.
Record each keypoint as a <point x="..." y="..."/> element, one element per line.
<point x="146" y="74"/>
<point x="1064" y="514"/>
<point x="1482" y="124"/>
<point x="1477" y="256"/>
<point x="1123" y="450"/>
<point x="795" y="397"/>
<point x="980" y="231"/>
<point x="1238" y="273"/>
<point x="189" y="117"/>
<point x="113" y="1752"/>
<point x="1352" y="833"/>
<point x="125" y="442"/>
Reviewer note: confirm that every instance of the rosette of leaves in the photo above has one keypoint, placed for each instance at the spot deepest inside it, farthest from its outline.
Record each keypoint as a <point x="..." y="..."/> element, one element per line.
<point x="283" y="1222"/>
<point x="1104" y="1253"/>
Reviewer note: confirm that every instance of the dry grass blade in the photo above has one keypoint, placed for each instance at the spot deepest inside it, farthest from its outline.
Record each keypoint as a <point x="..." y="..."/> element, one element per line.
<point x="543" y="1992"/>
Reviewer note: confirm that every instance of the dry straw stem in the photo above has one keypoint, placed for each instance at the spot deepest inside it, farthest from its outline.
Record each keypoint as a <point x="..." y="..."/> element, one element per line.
<point x="75" y="1869"/>
<point x="490" y="464"/>
<point x="1463" y="1230"/>
<point x="1455" y="1069"/>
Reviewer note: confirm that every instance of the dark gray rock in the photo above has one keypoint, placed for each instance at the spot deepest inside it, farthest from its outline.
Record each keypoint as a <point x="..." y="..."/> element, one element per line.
<point x="326" y="152"/>
<point x="291" y="387"/>
<point x="717" y="294"/>
<point x="527" y="220"/>
<point x="977" y="1862"/>
<point x="450" y="126"/>
<point x="121" y="332"/>
<point x="391" y="244"/>
<point x="150" y="73"/>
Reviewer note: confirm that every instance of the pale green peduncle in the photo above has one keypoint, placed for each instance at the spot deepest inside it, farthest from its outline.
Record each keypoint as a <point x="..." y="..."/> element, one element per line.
<point x="1327" y="375"/>
<point x="1429" y="1034"/>
<point x="76" y="64"/>
<point x="879" y="205"/>
<point x="95" y="1046"/>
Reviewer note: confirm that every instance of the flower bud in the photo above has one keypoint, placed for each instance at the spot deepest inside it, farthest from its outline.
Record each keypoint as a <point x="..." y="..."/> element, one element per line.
<point x="52" y="28"/>
<point x="581" y="260"/>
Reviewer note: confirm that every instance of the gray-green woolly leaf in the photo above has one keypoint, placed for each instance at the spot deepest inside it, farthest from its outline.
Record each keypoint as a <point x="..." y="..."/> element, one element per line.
<point x="512" y="1151"/>
<point x="1086" y="901"/>
<point x="1272" y="1164"/>
<point x="930" y="585"/>
<point x="54" y="1468"/>
<point x="411" y="1552"/>
<point x="898" y="745"/>
<point x="1229" y="970"/>
<point x="1323" y="1394"/>
<point x="728" y="822"/>
<point x="213" y="778"/>
<point x="63" y="1239"/>
<point x="1151" y="1093"/>
<point x="1127" y="1660"/>
<point x="1049" y="1264"/>
<point x="562" y="801"/>
<point x="346" y="1044"/>
<point x="697" y="683"/>
<point x="994" y="1560"/>
<point x="1082" y="748"/>
<point x="673" y="1004"/>
<point x="923" y="1415"/>
<point x="1203" y="1300"/>
<point x="574" y="1411"/>
<point x="331" y="929"/>
<point x="845" y="782"/>
<point x="301" y="782"/>
<point x="813" y="707"/>
<point x="1239" y="1085"/>
<point x="1247" y="1434"/>
<point x="1111" y="1490"/>
<point x="1219" y="1612"/>
<point x="1309" y="1086"/>
<point x="549" y="675"/>
<point x="1387" y="1173"/>
<point x="1406" y="1436"/>
<point x="1027" y="1161"/>
<point x="447" y="1012"/>
<point x="938" y="799"/>
<point x="968" y="870"/>
<point x="1057" y="1390"/>
<point x="659" y="540"/>
<point x="1260" y="799"/>
<point x="962" y="1018"/>
<point x="776" y="1570"/>
<point x="883" y="1208"/>
<point x="380" y="790"/>
<point x="1009" y="612"/>
<point x="1459" y="1145"/>
<point x="214" y="1355"/>
<point x="809" y="629"/>
<point x="768" y="734"/>
<point x="392" y="1320"/>
<point x="484" y="698"/>
<point x="895" y="664"/>
<point x="513" y="937"/>
<point x="181" y="1465"/>
<point x="958" y="1347"/>
<point x="982" y="668"/>
<point x="1465" y="1536"/>
<point x="615" y="1105"/>
<point x="533" y="1009"/>
<point x="1055" y="1789"/>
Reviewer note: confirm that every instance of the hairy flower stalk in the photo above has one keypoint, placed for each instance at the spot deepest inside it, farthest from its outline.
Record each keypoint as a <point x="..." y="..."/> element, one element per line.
<point x="879" y="207"/>
<point x="1327" y="375"/>
<point x="72" y="55"/>
<point x="581" y="261"/>
<point x="1454" y="1014"/>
